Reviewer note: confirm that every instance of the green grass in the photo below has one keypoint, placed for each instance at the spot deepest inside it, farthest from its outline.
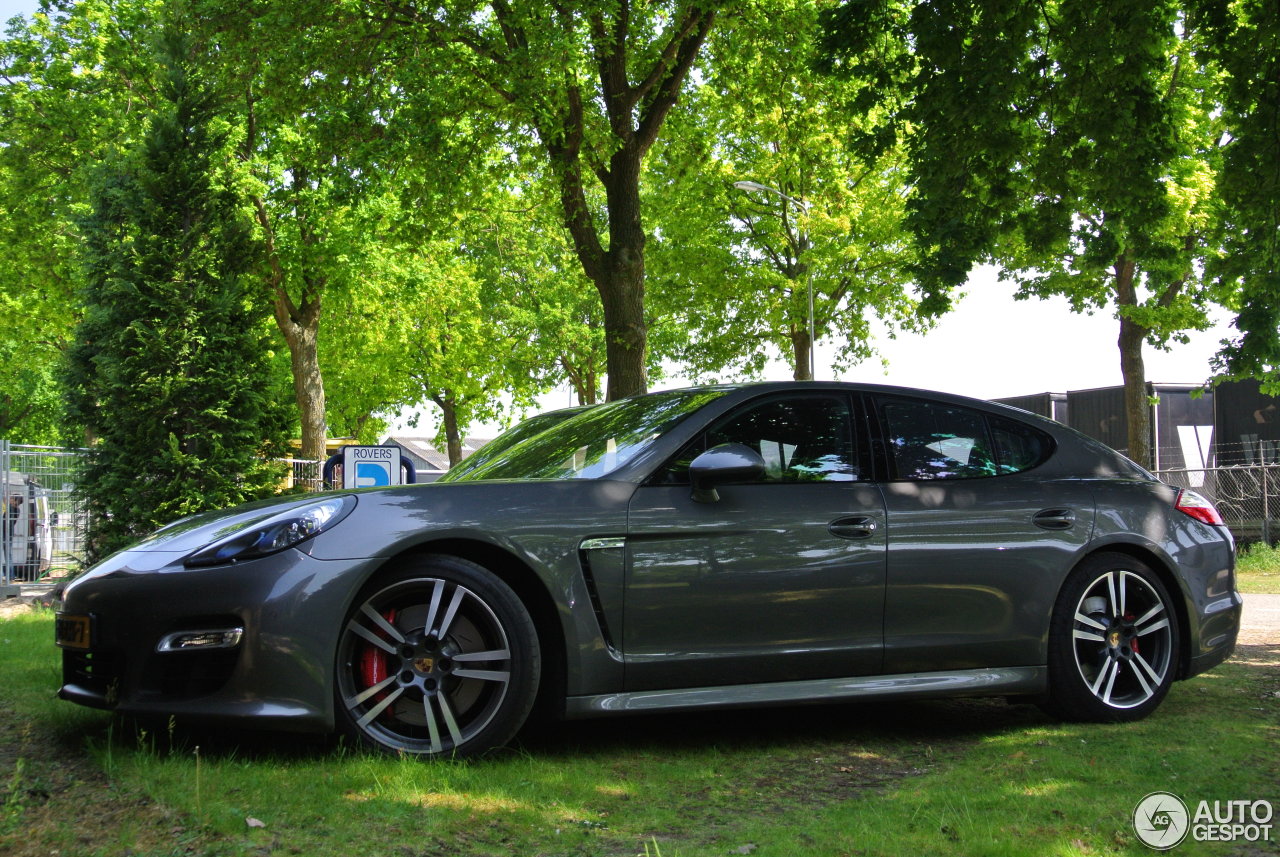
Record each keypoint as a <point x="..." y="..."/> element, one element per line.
<point x="945" y="777"/>
<point x="1258" y="568"/>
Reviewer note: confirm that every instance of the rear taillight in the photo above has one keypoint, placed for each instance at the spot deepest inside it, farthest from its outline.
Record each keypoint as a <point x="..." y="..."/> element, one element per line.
<point x="1191" y="503"/>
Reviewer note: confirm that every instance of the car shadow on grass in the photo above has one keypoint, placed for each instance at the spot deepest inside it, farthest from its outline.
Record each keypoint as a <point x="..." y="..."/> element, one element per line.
<point x="778" y="728"/>
<point x="783" y="726"/>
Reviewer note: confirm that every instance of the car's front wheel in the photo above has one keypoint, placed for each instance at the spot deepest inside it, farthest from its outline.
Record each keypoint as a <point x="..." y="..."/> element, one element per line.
<point x="1113" y="641"/>
<point x="438" y="659"/>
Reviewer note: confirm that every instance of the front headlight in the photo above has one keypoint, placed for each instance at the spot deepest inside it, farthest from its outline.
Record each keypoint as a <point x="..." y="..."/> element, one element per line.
<point x="286" y="530"/>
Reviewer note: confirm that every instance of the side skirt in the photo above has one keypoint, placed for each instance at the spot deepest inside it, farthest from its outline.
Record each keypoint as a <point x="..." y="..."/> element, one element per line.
<point x="1002" y="681"/>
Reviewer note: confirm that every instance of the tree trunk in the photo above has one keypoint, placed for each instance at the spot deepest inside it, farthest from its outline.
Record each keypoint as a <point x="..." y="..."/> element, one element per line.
<point x="622" y="286"/>
<point x="452" y="437"/>
<point x="801" y="349"/>
<point x="1132" y="369"/>
<point x="300" y="326"/>
<point x="308" y="385"/>
<point x="582" y="379"/>
<point x="299" y="323"/>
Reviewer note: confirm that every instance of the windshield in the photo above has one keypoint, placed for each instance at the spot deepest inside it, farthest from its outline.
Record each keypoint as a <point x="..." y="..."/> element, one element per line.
<point x="509" y="438"/>
<point x="596" y="442"/>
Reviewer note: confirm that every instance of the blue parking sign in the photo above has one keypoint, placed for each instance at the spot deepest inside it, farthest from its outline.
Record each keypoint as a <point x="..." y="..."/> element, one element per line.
<point x="370" y="466"/>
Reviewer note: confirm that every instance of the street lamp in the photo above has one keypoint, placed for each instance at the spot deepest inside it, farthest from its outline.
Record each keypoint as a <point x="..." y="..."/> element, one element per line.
<point x="751" y="187"/>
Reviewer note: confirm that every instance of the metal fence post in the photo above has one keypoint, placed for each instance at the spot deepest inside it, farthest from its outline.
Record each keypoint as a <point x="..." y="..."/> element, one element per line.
<point x="1266" y="505"/>
<point x="6" y="533"/>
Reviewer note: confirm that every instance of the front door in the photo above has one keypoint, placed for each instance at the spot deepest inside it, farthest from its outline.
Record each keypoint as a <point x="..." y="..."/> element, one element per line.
<point x="778" y="580"/>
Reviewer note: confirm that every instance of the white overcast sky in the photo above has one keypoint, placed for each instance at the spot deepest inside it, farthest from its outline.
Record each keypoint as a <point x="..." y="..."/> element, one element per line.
<point x="990" y="345"/>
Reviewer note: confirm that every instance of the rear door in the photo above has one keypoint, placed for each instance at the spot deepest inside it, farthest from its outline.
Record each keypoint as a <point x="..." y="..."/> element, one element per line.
<point x="979" y="539"/>
<point x="778" y="580"/>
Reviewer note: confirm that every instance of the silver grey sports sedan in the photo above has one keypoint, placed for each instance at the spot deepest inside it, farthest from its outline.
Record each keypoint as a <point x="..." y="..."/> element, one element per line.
<point x="718" y="546"/>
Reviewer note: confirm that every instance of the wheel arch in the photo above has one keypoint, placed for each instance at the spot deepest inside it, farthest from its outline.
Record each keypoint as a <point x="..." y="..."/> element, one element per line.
<point x="1163" y="569"/>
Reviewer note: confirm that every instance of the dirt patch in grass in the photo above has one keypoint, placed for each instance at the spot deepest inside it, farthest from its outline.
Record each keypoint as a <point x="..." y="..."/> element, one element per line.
<point x="55" y="800"/>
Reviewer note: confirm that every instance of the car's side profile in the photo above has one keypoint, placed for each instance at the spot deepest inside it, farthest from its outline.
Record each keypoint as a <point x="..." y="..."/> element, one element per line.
<point x="723" y="546"/>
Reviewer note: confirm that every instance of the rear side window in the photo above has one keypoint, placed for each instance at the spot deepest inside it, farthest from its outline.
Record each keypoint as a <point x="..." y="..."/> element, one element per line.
<point x="929" y="440"/>
<point x="1018" y="446"/>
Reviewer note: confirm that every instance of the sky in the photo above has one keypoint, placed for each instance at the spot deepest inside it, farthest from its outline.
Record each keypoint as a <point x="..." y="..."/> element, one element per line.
<point x="990" y="346"/>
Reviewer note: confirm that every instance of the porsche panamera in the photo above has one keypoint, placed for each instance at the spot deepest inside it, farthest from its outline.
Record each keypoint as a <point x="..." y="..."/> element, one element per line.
<point x="738" y="545"/>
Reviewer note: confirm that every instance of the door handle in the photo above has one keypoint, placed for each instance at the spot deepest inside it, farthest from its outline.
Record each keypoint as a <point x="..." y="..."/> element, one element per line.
<point x="853" y="527"/>
<point x="1054" y="519"/>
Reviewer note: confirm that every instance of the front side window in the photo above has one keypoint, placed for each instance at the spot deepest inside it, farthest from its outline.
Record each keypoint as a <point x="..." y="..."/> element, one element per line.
<point x="929" y="440"/>
<point x="800" y="438"/>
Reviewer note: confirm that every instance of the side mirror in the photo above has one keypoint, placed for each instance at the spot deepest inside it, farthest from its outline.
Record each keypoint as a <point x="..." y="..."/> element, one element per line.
<point x="723" y="465"/>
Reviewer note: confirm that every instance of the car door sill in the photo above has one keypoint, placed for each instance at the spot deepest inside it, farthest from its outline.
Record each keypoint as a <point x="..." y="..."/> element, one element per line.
<point x="997" y="681"/>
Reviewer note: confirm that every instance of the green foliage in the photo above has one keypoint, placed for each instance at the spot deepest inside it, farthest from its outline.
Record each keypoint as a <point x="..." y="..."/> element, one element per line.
<point x="170" y="368"/>
<point x="1244" y="41"/>
<point x="731" y="268"/>
<point x="588" y="87"/>
<point x="1056" y="138"/>
<point x="71" y="84"/>
<point x="1077" y="144"/>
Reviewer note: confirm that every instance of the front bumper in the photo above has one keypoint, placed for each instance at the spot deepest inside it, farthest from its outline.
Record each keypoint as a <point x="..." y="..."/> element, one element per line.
<point x="289" y="606"/>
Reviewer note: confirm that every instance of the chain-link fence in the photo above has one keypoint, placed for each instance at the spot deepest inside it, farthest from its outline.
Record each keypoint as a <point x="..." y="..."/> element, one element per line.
<point x="42" y="536"/>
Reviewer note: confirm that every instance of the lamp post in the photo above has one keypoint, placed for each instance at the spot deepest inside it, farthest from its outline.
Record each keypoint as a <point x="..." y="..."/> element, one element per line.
<point x="750" y="187"/>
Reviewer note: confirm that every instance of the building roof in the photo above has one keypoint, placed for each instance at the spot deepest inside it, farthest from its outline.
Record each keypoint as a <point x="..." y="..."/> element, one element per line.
<point x="424" y="454"/>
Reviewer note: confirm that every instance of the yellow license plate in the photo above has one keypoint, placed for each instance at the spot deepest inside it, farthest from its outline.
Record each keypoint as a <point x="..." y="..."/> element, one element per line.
<point x="72" y="631"/>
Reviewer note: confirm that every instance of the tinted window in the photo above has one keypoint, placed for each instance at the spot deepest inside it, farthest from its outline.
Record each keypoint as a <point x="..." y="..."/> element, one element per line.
<point x="595" y="442"/>
<point x="800" y="438"/>
<point x="928" y="440"/>
<point x="1018" y="446"/>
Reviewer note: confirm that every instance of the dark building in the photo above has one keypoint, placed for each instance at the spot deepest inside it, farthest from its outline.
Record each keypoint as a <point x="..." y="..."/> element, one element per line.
<point x="1182" y="420"/>
<point x="1248" y="424"/>
<point x="1051" y="405"/>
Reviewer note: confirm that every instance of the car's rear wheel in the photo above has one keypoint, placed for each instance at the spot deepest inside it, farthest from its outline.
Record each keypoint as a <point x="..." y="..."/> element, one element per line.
<point x="1113" y="641"/>
<point x="439" y="658"/>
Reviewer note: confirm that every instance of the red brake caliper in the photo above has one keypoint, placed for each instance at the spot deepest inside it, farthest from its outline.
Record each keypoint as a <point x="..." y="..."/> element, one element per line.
<point x="1133" y="644"/>
<point x="373" y="661"/>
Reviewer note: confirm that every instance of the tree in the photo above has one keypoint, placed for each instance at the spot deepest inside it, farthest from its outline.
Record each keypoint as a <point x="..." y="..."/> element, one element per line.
<point x="733" y="265"/>
<point x="1075" y="143"/>
<point x="594" y="83"/>
<point x="330" y="128"/>
<point x="466" y="323"/>
<point x="1244" y="41"/>
<point x="72" y="82"/>
<point x="546" y="307"/>
<point x="170" y="368"/>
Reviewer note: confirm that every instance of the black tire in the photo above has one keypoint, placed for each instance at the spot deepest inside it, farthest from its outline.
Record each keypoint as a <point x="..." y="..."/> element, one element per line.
<point x="439" y="658"/>
<point x="1113" y="642"/>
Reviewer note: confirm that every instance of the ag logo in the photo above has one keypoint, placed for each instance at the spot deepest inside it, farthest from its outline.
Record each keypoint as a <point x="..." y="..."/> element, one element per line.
<point x="1161" y="820"/>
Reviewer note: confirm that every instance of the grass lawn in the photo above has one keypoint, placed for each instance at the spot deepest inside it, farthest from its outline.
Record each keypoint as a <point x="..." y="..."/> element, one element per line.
<point x="966" y="777"/>
<point x="1258" y="569"/>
